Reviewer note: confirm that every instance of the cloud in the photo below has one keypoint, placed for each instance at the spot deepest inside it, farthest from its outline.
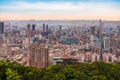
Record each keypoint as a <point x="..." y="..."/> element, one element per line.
<point x="69" y="9"/>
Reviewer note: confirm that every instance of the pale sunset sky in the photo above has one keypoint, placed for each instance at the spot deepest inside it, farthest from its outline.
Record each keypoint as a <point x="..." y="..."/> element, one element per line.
<point x="60" y="10"/>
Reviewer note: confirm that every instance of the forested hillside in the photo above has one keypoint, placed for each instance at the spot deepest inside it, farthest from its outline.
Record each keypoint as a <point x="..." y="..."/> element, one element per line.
<point x="83" y="71"/>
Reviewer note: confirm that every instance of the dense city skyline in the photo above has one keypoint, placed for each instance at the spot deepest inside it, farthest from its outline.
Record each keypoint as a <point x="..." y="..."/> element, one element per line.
<point x="60" y="10"/>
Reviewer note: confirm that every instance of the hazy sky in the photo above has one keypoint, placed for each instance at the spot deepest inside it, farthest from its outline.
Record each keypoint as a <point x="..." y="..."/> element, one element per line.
<point x="59" y="9"/>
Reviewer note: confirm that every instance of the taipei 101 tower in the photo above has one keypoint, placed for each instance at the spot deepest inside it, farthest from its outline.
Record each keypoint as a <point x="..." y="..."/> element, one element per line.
<point x="100" y="33"/>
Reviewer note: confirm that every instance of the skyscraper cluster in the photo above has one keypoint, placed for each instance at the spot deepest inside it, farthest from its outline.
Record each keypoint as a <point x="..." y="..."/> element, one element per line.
<point x="40" y="44"/>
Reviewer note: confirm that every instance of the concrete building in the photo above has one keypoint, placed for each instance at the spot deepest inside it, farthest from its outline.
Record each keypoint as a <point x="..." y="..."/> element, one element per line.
<point x="4" y="50"/>
<point x="92" y="30"/>
<point x="56" y="60"/>
<point x="33" y="26"/>
<point x="118" y="27"/>
<point x="95" y="57"/>
<point x="39" y="55"/>
<point x="106" y="43"/>
<point x="81" y="58"/>
<point x="1" y="27"/>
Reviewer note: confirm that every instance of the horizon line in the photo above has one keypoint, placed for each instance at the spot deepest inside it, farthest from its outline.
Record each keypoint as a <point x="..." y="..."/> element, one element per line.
<point x="61" y="20"/>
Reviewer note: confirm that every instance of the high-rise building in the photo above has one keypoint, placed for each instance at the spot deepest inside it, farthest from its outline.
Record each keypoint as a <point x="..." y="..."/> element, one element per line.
<point x="33" y="26"/>
<point x="28" y="39"/>
<point x="118" y="27"/>
<point x="28" y="32"/>
<point x="106" y="43"/>
<point x="47" y="28"/>
<point x="100" y="26"/>
<point x="60" y="27"/>
<point x="43" y="27"/>
<point x="31" y="30"/>
<point x="28" y="26"/>
<point x="99" y="30"/>
<point x="100" y="33"/>
<point x="39" y="55"/>
<point x="1" y="27"/>
<point x="92" y="30"/>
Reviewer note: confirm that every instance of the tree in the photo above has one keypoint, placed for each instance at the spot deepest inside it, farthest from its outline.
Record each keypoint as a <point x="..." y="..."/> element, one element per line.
<point x="35" y="74"/>
<point x="68" y="72"/>
<point x="12" y="75"/>
<point x="55" y="68"/>
<point x="101" y="77"/>
<point x="82" y="71"/>
<point x="80" y="75"/>
<point x="59" y="76"/>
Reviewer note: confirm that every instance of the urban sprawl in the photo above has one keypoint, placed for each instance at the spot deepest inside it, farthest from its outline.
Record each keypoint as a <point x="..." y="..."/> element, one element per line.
<point x="42" y="43"/>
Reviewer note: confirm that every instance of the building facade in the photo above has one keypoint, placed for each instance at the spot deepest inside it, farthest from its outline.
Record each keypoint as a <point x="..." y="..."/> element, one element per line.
<point x="1" y="27"/>
<point x="38" y="55"/>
